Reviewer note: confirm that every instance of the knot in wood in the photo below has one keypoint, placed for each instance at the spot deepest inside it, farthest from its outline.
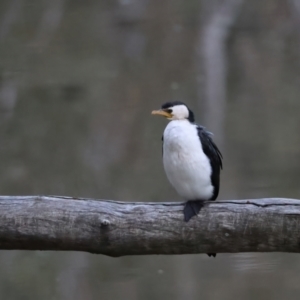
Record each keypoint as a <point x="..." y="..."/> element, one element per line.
<point x="105" y="222"/>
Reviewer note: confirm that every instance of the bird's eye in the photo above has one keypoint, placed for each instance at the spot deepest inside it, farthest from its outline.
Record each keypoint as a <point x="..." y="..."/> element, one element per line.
<point x="168" y="110"/>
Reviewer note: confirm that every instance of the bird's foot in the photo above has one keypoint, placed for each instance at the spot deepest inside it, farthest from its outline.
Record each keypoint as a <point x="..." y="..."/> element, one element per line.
<point x="212" y="254"/>
<point x="192" y="208"/>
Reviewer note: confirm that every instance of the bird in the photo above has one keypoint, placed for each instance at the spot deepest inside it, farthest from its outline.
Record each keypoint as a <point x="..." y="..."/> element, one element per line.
<point x="191" y="159"/>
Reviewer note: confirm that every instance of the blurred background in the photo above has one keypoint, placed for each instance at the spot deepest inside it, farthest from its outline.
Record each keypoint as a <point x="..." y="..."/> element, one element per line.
<point x="78" y="81"/>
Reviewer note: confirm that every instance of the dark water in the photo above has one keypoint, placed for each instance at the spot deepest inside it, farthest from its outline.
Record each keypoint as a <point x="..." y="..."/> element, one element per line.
<point x="78" y="81"/>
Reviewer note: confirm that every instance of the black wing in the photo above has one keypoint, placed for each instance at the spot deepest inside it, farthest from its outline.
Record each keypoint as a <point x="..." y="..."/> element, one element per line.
<point x="213" y="153"/>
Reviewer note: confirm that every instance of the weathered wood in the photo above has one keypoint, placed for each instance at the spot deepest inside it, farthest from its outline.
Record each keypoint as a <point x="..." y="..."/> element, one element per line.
<point x="121" y="228"/>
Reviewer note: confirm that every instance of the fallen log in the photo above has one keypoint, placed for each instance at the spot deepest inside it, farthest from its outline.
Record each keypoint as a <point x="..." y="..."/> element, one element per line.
<point x="122" y="228"/>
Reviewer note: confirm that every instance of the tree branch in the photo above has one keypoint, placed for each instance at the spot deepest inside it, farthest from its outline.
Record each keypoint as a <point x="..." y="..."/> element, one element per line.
<point x="121" y="228"/>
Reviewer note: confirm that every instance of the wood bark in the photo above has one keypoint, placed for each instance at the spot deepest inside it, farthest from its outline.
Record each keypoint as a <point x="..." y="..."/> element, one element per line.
<point x="121" y="228"/>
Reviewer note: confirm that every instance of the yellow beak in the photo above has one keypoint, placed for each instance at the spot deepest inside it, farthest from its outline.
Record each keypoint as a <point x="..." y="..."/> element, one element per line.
<point x="161" y="112"/>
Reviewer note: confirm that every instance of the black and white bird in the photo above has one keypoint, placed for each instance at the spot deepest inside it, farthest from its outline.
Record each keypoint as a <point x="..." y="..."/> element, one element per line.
<point x="191" y="159"/>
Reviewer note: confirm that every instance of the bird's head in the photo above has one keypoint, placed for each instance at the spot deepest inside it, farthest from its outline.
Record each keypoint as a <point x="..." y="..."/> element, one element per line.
<point x="175" y="111"/>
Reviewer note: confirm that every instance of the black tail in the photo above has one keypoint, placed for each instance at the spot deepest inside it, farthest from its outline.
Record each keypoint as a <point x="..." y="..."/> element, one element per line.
<point x="192" y="208"/>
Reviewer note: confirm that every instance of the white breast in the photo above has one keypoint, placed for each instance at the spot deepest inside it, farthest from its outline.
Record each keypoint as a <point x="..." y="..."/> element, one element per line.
<point x="187" y="167"/>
